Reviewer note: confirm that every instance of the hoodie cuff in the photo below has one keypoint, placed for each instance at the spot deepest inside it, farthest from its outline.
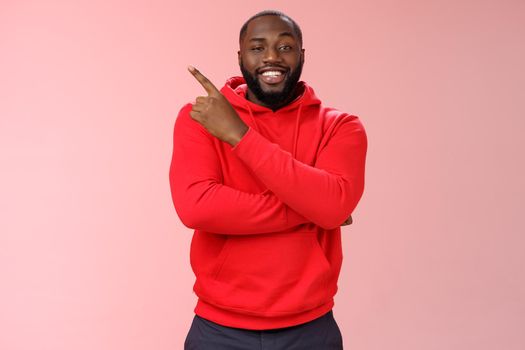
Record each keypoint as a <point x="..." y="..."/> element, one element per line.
<point x="254" y="149"/>
<point x="244" y="137"/>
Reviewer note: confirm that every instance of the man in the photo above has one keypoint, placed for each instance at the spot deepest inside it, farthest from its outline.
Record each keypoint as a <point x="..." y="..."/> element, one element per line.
<point x="266" y="175"/>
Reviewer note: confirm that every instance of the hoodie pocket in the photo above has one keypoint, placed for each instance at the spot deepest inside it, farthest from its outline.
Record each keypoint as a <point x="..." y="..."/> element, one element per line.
<point x="221" y="258"/>
<point x="272" y="274"/>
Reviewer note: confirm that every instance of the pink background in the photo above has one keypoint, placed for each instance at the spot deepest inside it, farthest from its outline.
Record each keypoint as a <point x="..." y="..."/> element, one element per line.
<point x="92" y="254"/>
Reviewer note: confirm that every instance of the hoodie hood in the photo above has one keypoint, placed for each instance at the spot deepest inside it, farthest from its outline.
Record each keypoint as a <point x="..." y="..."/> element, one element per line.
<point x="235" y="90"/>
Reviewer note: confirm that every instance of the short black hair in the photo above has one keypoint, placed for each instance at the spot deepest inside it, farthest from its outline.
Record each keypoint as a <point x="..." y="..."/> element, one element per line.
<point x="295" y="26"/>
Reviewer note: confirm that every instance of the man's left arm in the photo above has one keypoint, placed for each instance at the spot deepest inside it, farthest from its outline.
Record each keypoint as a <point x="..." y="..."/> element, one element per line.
<point x="326" y="193"/>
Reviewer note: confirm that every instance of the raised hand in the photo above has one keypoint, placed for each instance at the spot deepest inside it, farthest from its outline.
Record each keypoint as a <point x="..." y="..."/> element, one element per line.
<point x="215" y="112"/>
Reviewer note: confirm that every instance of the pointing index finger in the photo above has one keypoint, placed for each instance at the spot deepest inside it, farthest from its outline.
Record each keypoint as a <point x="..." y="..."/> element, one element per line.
<point x="205" y="82"/>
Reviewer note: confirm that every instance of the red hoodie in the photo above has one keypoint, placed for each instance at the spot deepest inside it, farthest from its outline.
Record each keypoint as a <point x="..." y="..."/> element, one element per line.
<point x="266" y="250"/>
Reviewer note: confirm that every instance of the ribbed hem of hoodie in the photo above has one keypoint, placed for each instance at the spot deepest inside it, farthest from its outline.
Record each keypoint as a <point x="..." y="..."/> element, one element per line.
<point x="230" y="318"/>
<point x="254" y="149"/>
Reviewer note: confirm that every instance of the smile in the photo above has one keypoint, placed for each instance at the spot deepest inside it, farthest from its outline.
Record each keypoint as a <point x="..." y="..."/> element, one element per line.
<point x="272" y="77"/>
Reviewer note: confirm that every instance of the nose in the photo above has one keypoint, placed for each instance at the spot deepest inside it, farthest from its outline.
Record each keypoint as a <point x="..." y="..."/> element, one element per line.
<point x="271" y="55"/>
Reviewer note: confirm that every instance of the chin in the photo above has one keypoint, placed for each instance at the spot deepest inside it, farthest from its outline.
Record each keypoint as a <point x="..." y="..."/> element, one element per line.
<point x="273" y="88"/>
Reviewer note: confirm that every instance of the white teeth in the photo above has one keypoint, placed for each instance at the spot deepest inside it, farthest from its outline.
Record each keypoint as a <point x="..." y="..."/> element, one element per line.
<point x="272" y="73"/>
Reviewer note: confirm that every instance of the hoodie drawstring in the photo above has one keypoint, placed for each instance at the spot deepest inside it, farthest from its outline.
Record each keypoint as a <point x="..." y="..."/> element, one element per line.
<point x="296" y="131"/>
<point x="251" y="116"/>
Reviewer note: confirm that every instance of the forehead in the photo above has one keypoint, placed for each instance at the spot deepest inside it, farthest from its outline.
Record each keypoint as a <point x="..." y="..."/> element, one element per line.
<point x="268" y="26"/>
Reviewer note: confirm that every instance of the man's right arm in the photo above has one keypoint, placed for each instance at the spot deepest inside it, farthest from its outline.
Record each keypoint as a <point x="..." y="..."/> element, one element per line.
<point x="203" y="202"/>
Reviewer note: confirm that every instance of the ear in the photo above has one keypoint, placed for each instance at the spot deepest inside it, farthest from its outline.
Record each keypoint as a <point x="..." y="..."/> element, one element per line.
<point x="239" y="56"/>
<point x="302" y="55"/>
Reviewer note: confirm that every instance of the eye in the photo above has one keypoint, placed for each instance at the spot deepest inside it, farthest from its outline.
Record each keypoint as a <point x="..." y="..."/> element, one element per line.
<point x="286" y="48"/>
<point x="257" y="48"/>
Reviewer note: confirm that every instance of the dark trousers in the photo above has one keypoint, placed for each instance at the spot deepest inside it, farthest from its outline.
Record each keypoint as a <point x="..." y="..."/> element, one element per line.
<point x="320" y="334"/>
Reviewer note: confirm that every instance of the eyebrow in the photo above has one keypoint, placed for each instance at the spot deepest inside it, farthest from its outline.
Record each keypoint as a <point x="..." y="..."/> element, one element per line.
<point x="280" y="34"/>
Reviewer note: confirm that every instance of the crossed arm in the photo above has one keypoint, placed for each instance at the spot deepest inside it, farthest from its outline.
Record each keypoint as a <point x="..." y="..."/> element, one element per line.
<point x="325" y="193"/>
<point x="203" y="202"/>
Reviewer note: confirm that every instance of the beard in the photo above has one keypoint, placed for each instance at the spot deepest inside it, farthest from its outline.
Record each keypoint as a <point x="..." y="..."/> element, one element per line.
<point x="273" y="100"/>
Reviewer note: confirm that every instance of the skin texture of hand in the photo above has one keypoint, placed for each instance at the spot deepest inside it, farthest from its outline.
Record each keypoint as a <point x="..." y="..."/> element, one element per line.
<point x="215" y="113"/>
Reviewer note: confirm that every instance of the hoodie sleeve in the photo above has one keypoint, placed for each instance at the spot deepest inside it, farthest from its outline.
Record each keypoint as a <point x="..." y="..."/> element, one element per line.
<point x="326" y="193"/>
<point x="203" y="203"/>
